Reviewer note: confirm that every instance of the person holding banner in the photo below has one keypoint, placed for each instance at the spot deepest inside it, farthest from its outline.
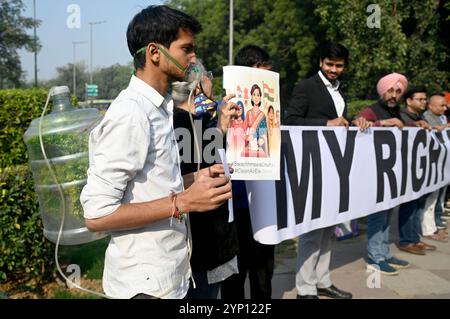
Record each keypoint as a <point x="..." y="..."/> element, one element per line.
<point x="385" y="112"/>
<point x="433" y="227"/>
<point x="319" y="101"/>
<point x="409" y="213"/>
<point x="214" y="238"/>
<point x="415" y="104"/>
<point x="254" y="258"/>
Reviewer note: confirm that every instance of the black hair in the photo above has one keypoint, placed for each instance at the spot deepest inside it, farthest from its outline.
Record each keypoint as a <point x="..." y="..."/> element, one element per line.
<point x="241" y="105"/>
<point x="333" y="50"/>
<point x="253" y="89"/>
<point x="252" y="55"/>
<point x="159" y="24"/>
<point x="410" y="93"/>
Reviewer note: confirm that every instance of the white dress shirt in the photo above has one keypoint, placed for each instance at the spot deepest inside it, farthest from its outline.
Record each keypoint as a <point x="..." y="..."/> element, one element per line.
<point x="133" y="158"/>
<point x="338" y="100"/>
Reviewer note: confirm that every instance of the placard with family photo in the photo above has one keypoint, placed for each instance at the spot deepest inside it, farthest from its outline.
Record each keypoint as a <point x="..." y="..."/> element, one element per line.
<point x="253" y="139"/>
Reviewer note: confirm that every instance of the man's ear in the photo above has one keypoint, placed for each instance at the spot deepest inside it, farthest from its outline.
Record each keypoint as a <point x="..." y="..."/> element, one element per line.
<point x="153" y="53"/>
<point x="320" y="63"/>
<point x="408" y="103"/>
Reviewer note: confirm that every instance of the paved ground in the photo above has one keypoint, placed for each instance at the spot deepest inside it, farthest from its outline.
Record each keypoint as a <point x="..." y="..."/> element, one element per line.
<point x="428" y="276"/>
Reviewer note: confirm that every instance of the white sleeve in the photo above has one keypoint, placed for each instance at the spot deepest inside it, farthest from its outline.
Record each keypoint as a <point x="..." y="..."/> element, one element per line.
<point x="118" y="150"/>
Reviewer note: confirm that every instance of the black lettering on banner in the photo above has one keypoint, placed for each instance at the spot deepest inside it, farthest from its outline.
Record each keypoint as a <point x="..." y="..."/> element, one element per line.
<point x="311" y="155"/>
<point x="299" y="192"/>
<point x="440" y="138"/>
<point x="421" y="138"/>
<point x="286" y="152"/>
<point x="434" y="157"/>
<point x="385" y="166"/>
<point x="343" y="164"/>
<point x="404" y="152"/>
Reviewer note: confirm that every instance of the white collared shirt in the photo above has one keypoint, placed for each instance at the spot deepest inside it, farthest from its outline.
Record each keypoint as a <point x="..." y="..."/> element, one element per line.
<point x="338" y="100"/>
<point x="133" y="158"/>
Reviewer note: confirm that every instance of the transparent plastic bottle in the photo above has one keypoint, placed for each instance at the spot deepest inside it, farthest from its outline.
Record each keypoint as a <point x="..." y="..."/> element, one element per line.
<point x="65" y="133"/>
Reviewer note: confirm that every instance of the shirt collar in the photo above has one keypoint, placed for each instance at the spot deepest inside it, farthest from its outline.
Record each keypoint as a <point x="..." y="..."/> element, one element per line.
<point x="150" y="93"/>
<point x="328" y="83"/>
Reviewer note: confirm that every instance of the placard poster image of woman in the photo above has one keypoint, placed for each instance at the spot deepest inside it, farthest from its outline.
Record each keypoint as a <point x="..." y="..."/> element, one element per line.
<point x="253" y="139"/>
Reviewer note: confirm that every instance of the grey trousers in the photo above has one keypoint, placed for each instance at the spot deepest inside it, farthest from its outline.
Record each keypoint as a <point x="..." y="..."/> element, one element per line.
<point x="313" y="261"/>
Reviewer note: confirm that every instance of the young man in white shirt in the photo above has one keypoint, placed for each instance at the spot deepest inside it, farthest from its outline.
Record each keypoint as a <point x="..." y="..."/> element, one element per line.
<point x="135" y="190"/>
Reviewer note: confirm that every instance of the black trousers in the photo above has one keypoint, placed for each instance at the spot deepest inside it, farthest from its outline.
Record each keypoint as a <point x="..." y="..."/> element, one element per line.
<point x="255" y="259"/>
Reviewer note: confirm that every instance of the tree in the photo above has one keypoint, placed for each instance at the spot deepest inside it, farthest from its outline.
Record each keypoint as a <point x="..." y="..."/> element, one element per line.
<point x="65" y="77"/>
<point x="408" y="41"/>
<point x="13" y="37"/>
<point x="412" y="38"/>
<point x="285" y="28"/>
<point x="110" y="80"/>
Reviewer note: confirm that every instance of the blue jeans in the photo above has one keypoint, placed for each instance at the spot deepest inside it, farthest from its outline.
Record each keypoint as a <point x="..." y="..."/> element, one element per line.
<point x="378" y="226"/>
<point x="203" y="290"/>
<point x="409" y="215"/>
<point x="440" y="206"/>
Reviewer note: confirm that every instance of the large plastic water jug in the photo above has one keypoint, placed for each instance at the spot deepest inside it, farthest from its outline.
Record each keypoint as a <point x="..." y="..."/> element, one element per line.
<point x="65" y="135"/>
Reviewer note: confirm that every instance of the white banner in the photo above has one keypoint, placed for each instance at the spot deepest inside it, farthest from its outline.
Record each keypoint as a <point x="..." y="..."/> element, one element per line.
<point x="332" y="175"/>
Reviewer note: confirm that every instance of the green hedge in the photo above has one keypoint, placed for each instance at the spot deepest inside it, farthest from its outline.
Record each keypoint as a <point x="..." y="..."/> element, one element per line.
<point x="25" y="253"/>
<point x="18" y="107"/>
<point x="355" y="106"/>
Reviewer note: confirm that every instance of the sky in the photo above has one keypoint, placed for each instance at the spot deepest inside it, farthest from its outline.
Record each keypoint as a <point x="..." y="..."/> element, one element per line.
<point x="66" y="21"/>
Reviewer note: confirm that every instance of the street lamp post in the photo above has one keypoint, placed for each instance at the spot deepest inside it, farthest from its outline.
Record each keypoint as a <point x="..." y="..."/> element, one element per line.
<point x="91" y="24"/>
<point x="230" y="49"/>
<point x="35" y="45"/>
<point x="74" y="67"/>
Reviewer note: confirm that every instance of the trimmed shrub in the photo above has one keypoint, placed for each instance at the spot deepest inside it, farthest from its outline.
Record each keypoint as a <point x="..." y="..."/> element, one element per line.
<point x="355" y="106"/>
<point x="18" y="108"/>
<point x="25" y="253"/>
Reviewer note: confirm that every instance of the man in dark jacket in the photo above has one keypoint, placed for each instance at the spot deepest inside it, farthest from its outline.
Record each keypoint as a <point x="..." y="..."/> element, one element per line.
<point x="385" y="112"/>
<point x="319" y="101"/>
<point x="254" y="258"/>
<point x="409" y="213"/>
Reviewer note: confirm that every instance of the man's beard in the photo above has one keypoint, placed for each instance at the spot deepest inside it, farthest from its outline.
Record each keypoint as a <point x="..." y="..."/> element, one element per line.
<point x="391" y="103"/>
<point x="332" y="81"/>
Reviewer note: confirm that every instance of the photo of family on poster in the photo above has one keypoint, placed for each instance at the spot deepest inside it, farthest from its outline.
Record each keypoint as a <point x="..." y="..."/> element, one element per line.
<point x="254" y="135"/>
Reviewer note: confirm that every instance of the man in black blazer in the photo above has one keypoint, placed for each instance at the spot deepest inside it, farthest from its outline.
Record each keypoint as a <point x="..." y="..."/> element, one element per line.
<point x="318" y="101"/>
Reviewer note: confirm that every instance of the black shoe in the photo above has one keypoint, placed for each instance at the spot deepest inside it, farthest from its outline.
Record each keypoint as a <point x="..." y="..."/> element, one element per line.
<point x="307" y="297"/>
<point x="333" y="292"/>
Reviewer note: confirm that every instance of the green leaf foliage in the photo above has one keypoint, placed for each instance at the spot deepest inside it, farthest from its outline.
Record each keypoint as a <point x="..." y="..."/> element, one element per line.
<point x="18" y="109"/>
<point x="14" y="36"/>
<point x="410" y="41"/>
<point x="412" y="38"/>
<point x="110" y="80"/>
<point x="26" y="254"/>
